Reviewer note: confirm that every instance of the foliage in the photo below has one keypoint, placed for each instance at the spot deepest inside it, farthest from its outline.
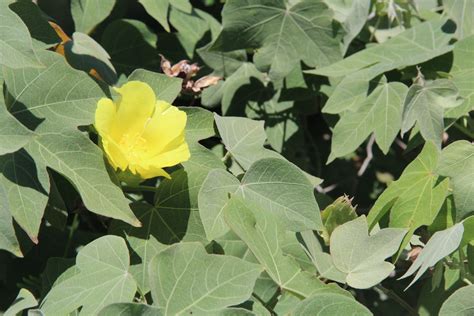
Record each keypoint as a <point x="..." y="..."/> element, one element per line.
<point x="327" y="163"/>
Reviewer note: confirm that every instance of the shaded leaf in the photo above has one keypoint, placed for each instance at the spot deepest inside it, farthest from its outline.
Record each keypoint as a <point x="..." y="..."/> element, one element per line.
<point x="102" y="279"/>
<point x="362" y="256"/>
<point x="23" y="301"/>
<point x="184" y="278"/>
<point x="131" y="45"/>
<point x="84" y="53"/>
<point x="13" y="135"/>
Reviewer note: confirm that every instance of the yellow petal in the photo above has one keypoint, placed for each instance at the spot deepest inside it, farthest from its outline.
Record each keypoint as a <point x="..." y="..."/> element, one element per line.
<point x="151" y="172"/>
<point x="134" y="109"/>
<point x="170" y="157"/>
<point x="104" y="115"/>
<point x="116" y="157"/>
<point x="165" y="127"/>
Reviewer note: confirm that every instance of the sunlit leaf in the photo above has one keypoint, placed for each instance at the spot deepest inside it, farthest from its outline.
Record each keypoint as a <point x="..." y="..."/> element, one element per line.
<point x="184" y="278"/>
<point x="283" y="33"/>
<point x="362" y="256"/>
<point x="440" y="245"/>
<point x="102" y="279"/>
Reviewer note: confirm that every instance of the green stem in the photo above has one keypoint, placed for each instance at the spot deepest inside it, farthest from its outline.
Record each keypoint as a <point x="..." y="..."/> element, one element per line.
<point x="139" y="188"/>
<point x="258" y="298"/>
<point x="398" y="299"/>
<point x="72" y="229"/>
<point x="226" y="156"/>
<point x="462" y="268"/>
<point x="464" y="130"/>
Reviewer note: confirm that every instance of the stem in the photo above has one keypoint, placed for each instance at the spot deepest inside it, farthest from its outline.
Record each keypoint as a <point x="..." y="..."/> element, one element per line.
<point x="272" y="312"/>
<point x="462" y="268"/>
<point x="72" y="229"/>
<point x="226" y="156"/>
<point x="464" y="130"/>
<point x="139" y="188"/>
<point x="398" y="299"/>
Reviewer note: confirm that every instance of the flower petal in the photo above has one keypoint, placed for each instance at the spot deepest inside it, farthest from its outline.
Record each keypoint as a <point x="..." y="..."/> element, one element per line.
<point x="134" y="109"/>
<point x="115" y="156"/>
<point x="171" y="157"/>
<point x="104" y="115"/>
<point x="151" y="172"/>
<point x="165" y="127"/>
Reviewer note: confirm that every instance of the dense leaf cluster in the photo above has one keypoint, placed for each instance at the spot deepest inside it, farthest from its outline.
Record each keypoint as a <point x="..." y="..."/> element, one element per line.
<point x="331" y="169"/>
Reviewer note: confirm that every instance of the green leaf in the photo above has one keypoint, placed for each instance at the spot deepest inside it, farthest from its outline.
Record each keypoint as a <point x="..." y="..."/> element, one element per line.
<point x="283" y="33"/>
<point x="330" y="304"/>
<point x="158" y="10"/>
<point x="279" y="186"/>
<point x="65" y="97"/>
<point x="468" y="235"/>
<point x="16" y="46"/>
<point x="88" y="13"/>
<point x="8" y="239"/>
<point x="25" y="300"/>
<point x="26" y="187"/>
<point x="13" y="135"/>
<point x="460" y="303"/>
<point x="461" y="11"/>
<point x="380" y="113"/>
<point x="362" y="256"/>
<point x="130" y="309"/>
<point x="336" y="214"/>
<point x="415" y="198"/>
<point x="165" y="88"/>
<point x="426" y="104"/>
<point x="320" y="259"/>
<point x="393" y="53"/>
<point x="42" y="33"/>
<point x="461" y="71"/>
<point x="185" y="279"/>
<point x="245" y="77"/>
<point x="457" y="162"/>
<point x="352" y="15"/>
<point x="212" y="199"/>
<point x="84" y="53"/>
<point x="358" y="69"/>
<point x="200" y="124"/>
<point x="440" y="245"/>
<point x="244" y="139"/>
<point x="223" y="64"/>
<point x="74" y="156"/>
<point x="263" y="233"/>
<point x="131" y="45"/>
<point x="102" y="279"/>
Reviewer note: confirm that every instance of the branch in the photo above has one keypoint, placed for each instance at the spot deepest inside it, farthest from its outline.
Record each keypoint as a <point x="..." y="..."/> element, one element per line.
<point x="369" y="157"/>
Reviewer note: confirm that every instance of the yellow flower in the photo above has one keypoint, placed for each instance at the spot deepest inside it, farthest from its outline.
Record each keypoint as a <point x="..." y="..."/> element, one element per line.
<point x="140" y="133"/>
